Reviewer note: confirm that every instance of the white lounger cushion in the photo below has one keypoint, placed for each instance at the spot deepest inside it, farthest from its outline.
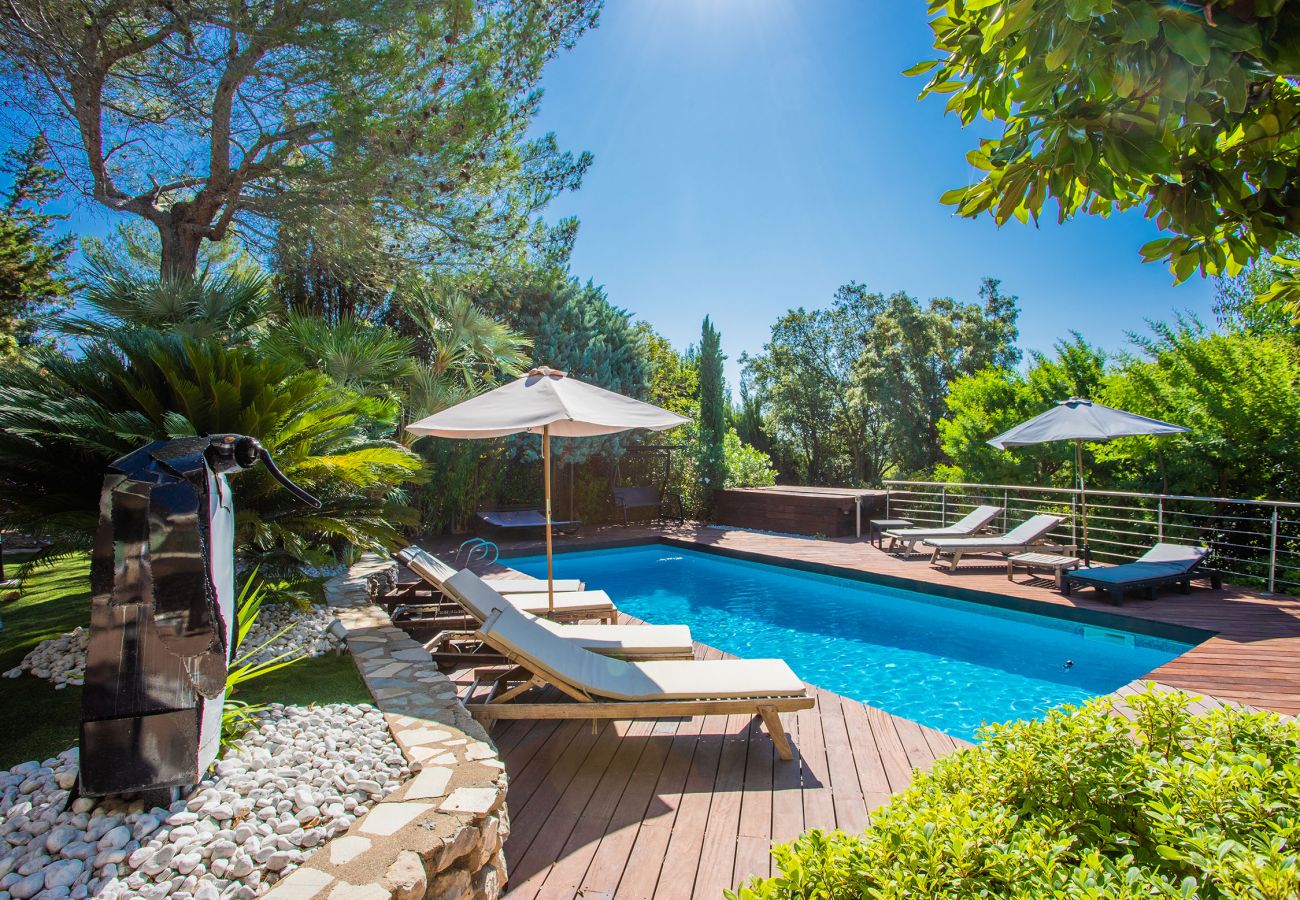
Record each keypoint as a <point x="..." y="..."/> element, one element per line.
<point x="506" y="584"/>
<point x="1022" y="535"/>
<point x="570" y="602"/>
<point x="562" y="661"/>
<point x="970" y="523"/>
<point x="481" y="601"/>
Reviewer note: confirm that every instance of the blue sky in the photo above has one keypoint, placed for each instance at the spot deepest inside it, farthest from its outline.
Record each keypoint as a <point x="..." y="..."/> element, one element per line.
<point x="753" y="155"/>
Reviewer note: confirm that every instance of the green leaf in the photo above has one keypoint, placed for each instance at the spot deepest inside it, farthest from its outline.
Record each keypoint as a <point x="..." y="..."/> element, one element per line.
<point x="1188" y="38"/>
<point x="921" y="68"/>
<point x="1143" y="26"/>
<point x="1235" y="89"/>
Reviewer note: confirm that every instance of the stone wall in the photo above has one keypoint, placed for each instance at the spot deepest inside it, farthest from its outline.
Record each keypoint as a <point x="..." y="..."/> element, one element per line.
<point x="440" y="834"/>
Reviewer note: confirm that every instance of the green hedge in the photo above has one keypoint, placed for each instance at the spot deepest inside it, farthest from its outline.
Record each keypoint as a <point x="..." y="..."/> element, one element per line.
<point x="1083" y="804"/>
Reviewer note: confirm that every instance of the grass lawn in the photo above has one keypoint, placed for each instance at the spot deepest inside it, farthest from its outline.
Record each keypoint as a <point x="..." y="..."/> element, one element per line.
<point x="43" y="721"/>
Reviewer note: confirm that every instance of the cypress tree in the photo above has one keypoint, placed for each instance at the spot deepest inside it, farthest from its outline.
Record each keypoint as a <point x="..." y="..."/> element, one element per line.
<point x="713" y="412"/>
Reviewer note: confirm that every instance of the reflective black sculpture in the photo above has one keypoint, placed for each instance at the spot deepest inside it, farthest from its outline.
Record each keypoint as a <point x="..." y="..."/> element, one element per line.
<point x="163" y="611"/>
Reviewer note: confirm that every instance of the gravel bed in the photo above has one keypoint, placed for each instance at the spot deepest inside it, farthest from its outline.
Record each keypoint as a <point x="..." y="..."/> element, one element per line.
<point x="307" y="631"/>
<point x="302" y="776"/>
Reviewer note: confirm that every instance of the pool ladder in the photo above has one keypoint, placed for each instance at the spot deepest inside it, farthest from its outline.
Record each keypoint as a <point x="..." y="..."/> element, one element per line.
<point x="477" y="547"/>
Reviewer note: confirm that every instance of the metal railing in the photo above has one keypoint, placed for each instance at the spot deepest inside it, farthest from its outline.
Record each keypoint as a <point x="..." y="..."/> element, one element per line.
<point x="1252" y="541"/>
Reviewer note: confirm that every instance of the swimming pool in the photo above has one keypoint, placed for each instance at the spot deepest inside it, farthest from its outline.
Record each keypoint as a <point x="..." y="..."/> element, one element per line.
<point x="949" y="664"/>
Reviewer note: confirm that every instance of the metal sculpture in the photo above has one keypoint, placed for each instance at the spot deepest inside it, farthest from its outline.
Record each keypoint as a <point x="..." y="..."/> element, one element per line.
<point x="162" y="613"/>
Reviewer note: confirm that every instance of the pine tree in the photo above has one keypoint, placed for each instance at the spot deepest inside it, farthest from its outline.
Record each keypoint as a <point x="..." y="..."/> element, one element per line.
<point x="32" y="278"/>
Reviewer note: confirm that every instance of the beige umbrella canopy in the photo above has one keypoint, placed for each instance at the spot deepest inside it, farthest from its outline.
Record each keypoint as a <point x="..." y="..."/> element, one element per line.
<point x="546" y="402"/>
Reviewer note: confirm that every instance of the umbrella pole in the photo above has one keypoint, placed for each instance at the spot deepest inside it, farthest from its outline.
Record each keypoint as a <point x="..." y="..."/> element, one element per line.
<point x="1083" y="500"/>
<point x="546" y="483"/>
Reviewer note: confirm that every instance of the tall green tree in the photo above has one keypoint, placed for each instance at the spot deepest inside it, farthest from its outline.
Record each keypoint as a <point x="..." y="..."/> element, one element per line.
<point x="33" y="262"/>
<point x="199" y="114"/>
<point x="713" y="410"/>
<point x="1189" y="112"/>
<point x="912" y="353"/>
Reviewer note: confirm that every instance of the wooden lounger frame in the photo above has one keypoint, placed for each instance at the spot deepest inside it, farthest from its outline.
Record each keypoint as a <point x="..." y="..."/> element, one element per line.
<point x="585" y="706"/>
<point x="419" y="594"/>
<point x="1115" y="591"/>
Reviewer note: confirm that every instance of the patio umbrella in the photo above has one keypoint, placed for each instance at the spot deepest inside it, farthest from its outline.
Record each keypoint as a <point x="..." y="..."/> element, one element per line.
<point x="546" y="402"/>
<point x="1081" y="420"/>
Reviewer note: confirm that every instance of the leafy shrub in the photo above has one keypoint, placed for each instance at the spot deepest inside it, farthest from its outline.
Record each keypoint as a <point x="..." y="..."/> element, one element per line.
<point x="1082" y="804"/>
<point x="746" y="466"/>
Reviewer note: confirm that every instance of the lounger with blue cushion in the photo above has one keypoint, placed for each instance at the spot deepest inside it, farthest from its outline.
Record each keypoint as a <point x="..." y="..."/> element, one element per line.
<point x="515" y="519"/>
<point x="1162" y="564"/>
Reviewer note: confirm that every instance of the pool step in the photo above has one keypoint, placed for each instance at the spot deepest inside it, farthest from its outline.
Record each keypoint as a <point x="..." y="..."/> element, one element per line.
<point x="1107" y="636"/>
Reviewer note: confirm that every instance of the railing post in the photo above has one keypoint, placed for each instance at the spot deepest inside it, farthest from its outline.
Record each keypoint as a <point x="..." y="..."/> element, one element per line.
<point x="1074" y="518"/>
<point x="1160" y="519"/>
<point x="1272" y="554"/>
<point x="1006" y="501"/>
<point x="943" y="507"/>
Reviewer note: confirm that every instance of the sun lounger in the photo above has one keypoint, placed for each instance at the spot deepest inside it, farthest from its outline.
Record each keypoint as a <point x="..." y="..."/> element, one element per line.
<point x="513" y="519"/>
<point x="568" y="606"/>
<point x="506" y="584"/>
<point x="1032" y="532"/>
<point x="623" y="641"/>
<point x="973" y="522"/>
<point x="1162" y="564"/>
<point x="604" y="688"/>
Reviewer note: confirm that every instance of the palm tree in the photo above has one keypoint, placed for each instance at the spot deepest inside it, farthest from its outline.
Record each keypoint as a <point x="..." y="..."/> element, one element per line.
<point x="370" y="359"/>
<point x="461" y="347"/>
<point x="63" y="419"/>
<point x="233" y="304"/>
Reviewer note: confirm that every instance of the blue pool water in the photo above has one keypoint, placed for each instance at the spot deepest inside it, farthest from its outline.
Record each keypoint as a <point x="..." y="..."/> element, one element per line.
<point x="949" y="664"/>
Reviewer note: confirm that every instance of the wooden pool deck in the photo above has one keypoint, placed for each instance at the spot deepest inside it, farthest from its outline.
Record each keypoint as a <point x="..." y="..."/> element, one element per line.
<point x="687" y="808"/>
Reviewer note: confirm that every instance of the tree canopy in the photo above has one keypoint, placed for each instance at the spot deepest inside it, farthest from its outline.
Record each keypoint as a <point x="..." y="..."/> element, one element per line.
<point x="1189" y="112"/>
<point x="197" y="115"/>
<point x="853" y="392"/>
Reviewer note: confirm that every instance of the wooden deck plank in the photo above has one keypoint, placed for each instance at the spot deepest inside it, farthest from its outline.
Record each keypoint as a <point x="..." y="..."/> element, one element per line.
<point x="818" y="804"/>
<point x="872" y="779"/>
<point x="681" y="860"/>
<point x="529" y="867"/>
<point x="615" y="848"/>
<point x="754" y="840"/>
<point x="787" y="799"/>
<point x="846" y="793"/>
<point x="641" y="873"/>
<point x="718" y="847"/>
<point x="898" y="769"/>
<point x="594" y="821"/>
<point x="547" y="786"/>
